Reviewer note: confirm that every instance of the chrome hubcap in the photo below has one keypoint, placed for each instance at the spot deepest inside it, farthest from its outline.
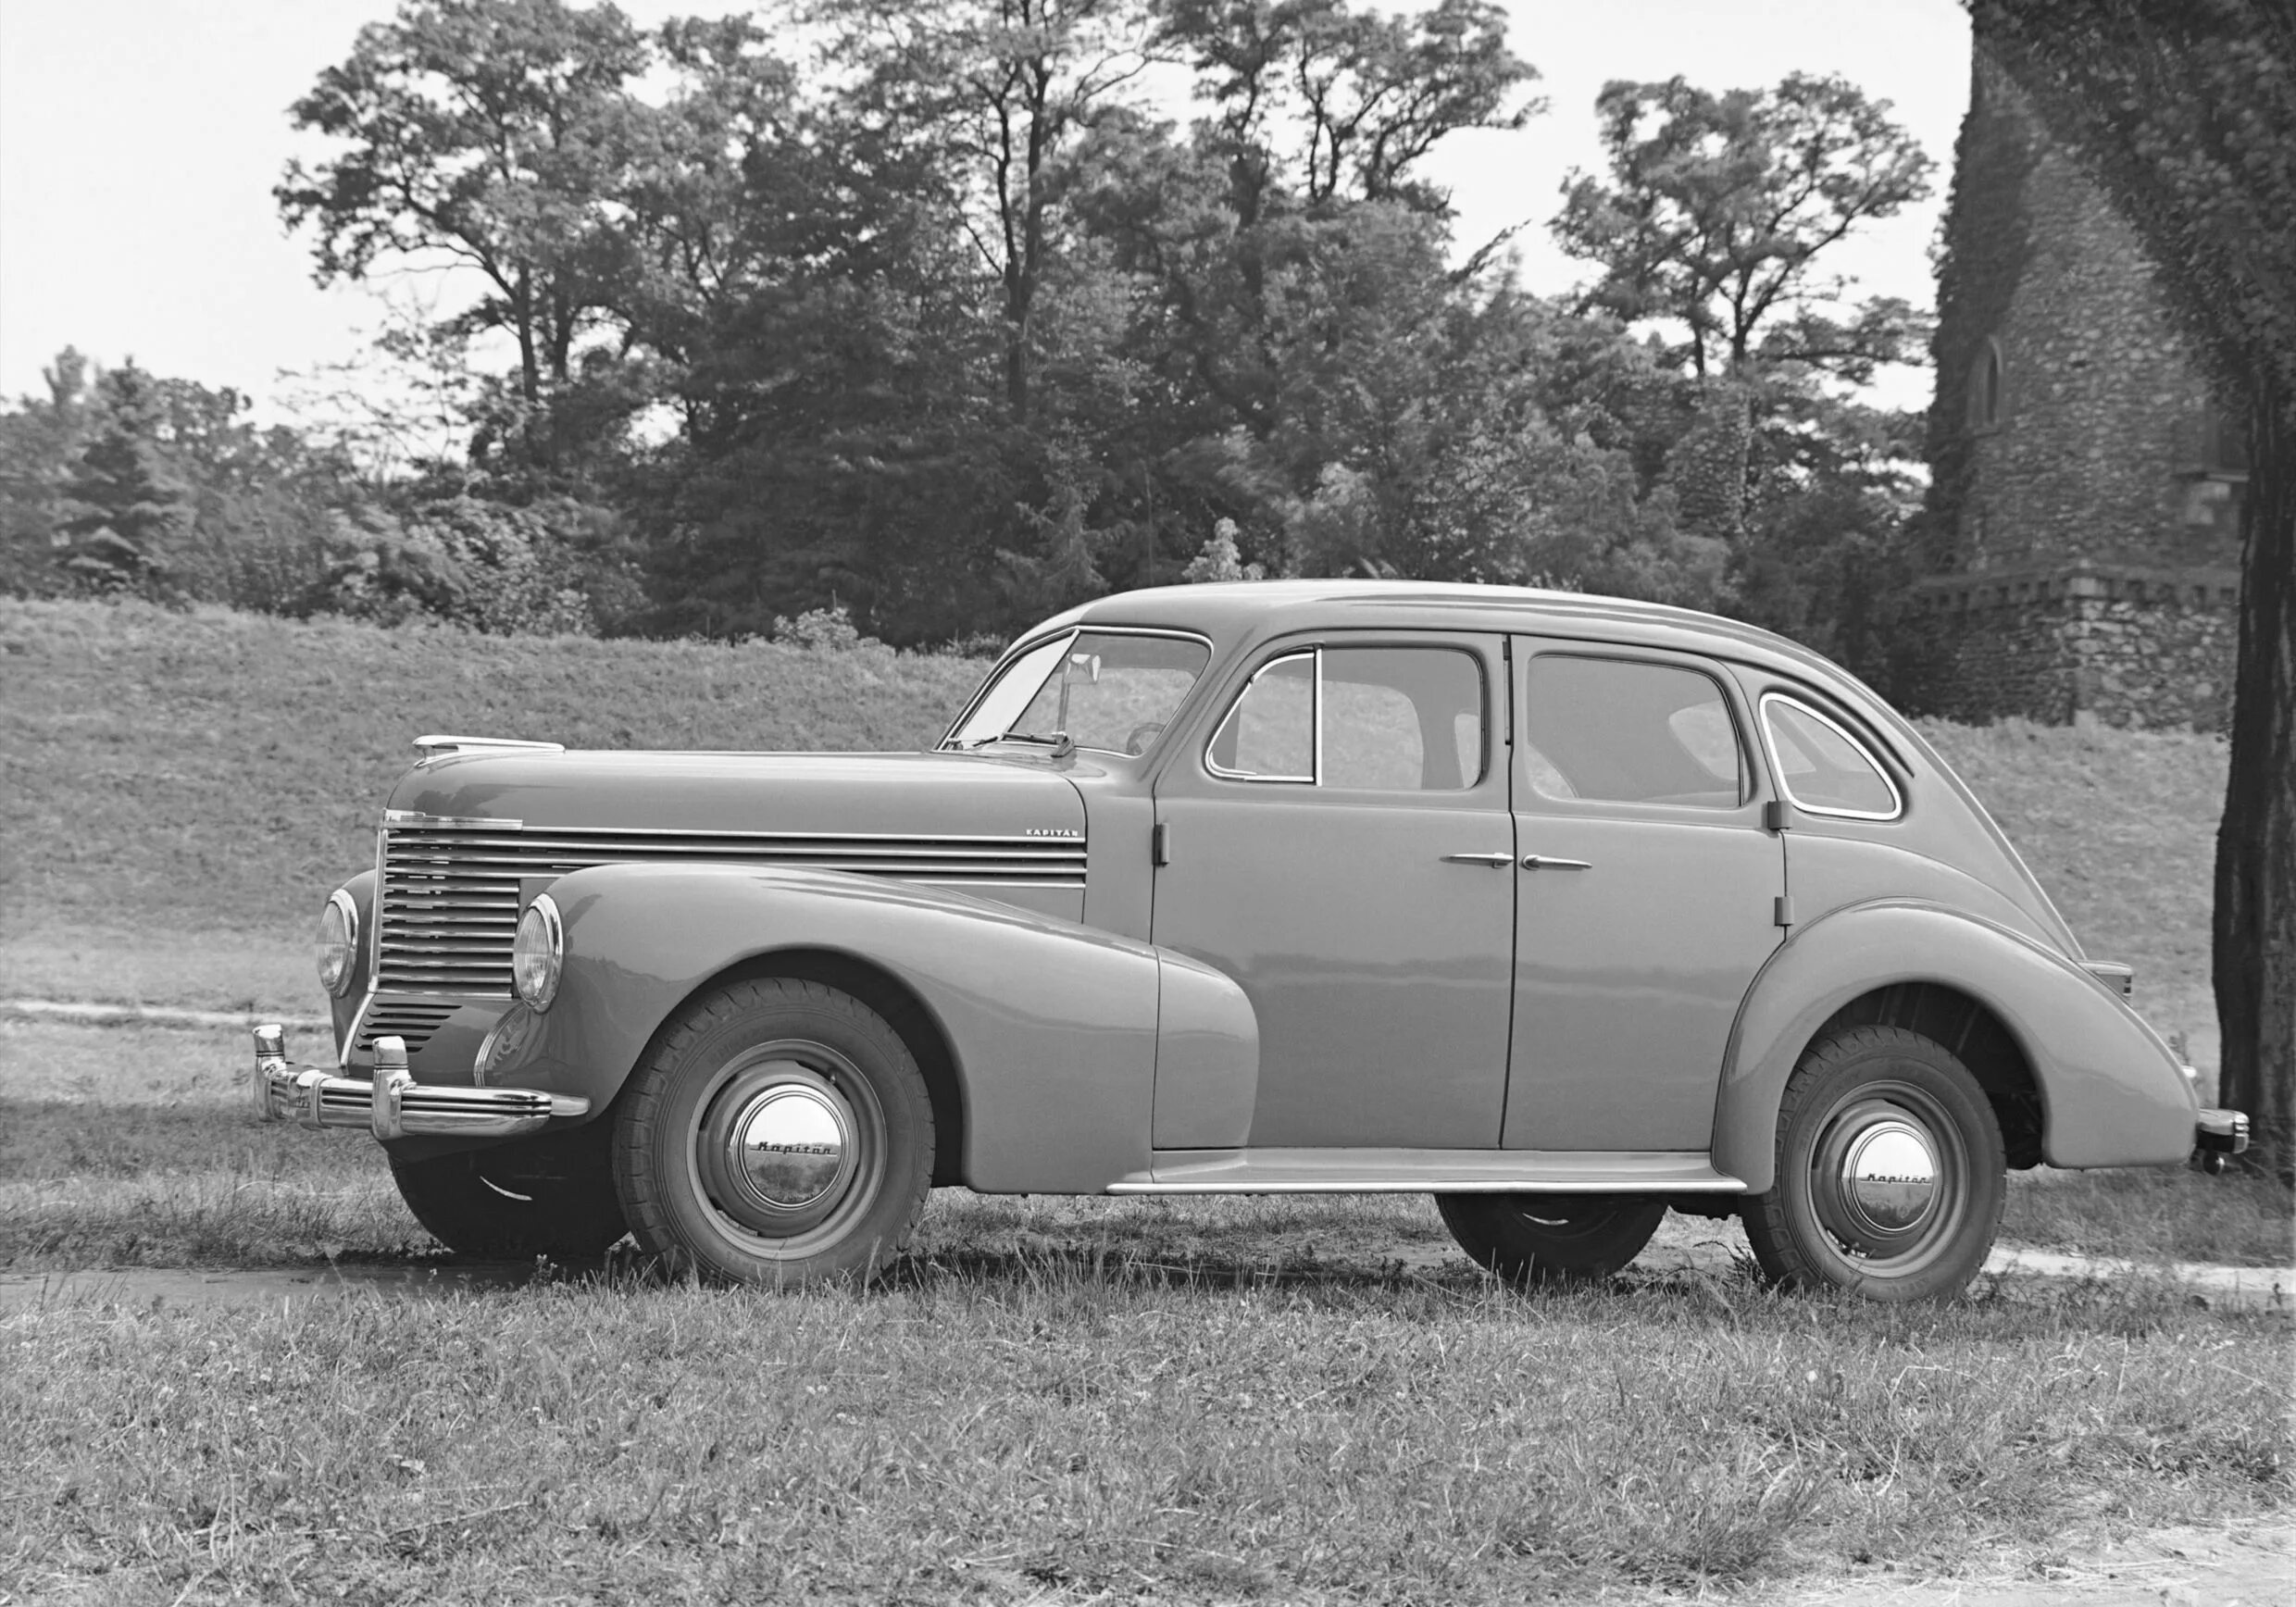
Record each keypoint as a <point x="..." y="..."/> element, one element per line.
<point x="787" y="1146"/>
<point x="1887" y="1178"/>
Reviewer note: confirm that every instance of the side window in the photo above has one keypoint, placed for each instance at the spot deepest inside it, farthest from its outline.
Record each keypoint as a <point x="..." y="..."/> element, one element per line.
<point x="1394" y="719"/>
<point x="1271" y="734"/>
<point x="1823" y="768"/>
<point x="1628" y="732"/>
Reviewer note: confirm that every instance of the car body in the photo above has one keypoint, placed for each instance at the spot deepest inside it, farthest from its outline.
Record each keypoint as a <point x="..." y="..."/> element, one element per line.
<point x="1564" y="909"/>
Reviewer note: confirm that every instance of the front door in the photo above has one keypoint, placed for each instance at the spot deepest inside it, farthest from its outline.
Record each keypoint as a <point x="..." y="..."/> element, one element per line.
<point x="1341" y="845"/>
<point x="1647" y="895"/>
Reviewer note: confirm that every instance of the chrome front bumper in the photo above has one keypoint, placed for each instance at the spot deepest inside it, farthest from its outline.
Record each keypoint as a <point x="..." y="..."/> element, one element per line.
<point x="392" y="1105"/>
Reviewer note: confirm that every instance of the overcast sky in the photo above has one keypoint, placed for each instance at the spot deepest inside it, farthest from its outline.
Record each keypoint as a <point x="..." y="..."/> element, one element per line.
<point x="139" y="140"/>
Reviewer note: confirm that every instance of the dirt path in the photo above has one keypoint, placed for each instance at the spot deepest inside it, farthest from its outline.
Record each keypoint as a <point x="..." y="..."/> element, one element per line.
<point x="2180" y="1567"/>
<point x="1688" y="1248"/>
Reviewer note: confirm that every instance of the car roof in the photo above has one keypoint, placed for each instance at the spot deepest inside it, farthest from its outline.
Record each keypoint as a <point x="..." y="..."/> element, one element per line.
<point x="1232" y="612"/>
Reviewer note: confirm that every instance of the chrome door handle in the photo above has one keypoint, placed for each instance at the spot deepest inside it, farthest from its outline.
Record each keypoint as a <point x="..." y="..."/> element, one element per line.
<point x="1538" y="862"/>
<point x="1493" y="860"/>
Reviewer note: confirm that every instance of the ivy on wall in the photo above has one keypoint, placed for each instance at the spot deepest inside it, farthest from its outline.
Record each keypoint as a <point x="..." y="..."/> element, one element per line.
<point x="1982" y="253"/>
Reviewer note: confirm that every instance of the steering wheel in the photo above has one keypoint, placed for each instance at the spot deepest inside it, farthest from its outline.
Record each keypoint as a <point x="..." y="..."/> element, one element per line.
<point x="1142" y="735"/>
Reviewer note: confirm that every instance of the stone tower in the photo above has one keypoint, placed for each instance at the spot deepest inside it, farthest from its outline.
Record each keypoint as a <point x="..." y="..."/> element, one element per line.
<point x="2084" y="499"/>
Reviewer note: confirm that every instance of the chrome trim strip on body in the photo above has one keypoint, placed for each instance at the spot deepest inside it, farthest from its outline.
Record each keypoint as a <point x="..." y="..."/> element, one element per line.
<point x="1400" y="1171"/>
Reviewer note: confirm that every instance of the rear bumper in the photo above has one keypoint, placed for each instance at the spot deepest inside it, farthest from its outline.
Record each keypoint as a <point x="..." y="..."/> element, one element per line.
<point x="2220" y="1132"/>
<point x="392" y="1105"/>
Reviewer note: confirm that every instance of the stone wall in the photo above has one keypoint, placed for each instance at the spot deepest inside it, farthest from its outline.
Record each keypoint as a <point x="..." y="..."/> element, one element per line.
<point x="2099" y="447"/>
<point x="2082" y="519"/>
<point x="2137" y="646"/>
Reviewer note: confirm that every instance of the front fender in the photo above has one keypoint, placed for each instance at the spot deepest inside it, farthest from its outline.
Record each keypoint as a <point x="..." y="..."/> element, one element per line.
<point x="2112" y="1091"/>
<point x="1056" y="1029"/>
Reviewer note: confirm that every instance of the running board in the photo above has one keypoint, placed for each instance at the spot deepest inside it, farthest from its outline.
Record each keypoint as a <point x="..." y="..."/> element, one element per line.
<point x="1335" y="1171"/>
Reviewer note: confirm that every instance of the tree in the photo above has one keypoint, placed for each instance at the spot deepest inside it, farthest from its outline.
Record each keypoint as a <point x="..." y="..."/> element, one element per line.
<point x="486" y="134"/>
<point x="39" y="439"/>
<point x="2186" y="111"/>
<point x="1293" y="309"/>
<point x="130" y="508"/>
<point x="1712" y="230"/>
<point x="1006" y="88"/>
<point x="1719" y="206"/>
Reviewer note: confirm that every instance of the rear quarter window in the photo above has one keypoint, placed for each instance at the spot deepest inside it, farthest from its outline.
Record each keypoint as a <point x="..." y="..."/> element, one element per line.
<point x="1822" y="768"/>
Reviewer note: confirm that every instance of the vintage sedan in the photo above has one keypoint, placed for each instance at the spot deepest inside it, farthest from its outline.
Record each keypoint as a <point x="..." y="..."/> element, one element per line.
<point x="1562" y="909"/>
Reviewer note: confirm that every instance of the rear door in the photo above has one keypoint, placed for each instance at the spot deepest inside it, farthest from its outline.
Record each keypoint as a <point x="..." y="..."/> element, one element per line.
<point x="1646" y="895"/>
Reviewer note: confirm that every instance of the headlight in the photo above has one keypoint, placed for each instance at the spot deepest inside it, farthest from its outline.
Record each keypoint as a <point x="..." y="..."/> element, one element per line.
<point x="338" y="942"/>
<point x="538" y="955"/>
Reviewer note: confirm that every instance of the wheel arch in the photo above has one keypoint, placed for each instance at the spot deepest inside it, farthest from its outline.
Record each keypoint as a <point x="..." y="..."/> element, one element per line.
<point x="2056" y="1048"/>
<point x="1974" y="1034"/>
<point x="891" y="996"/>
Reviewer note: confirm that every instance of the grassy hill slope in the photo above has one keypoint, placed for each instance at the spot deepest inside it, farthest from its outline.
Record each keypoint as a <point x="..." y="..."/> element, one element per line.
<point x="180" y="789"/>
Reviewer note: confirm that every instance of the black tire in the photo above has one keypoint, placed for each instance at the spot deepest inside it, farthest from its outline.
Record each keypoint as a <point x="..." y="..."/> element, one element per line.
<point x="551" y="1194"/>
<point x="1890" y="1178"/>
<point x="1552" y="1239"/>
<point x="779" y="1132"/>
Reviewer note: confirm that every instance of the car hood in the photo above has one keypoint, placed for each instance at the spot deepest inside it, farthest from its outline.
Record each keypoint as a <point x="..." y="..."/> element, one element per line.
<point x="937" y="795"/>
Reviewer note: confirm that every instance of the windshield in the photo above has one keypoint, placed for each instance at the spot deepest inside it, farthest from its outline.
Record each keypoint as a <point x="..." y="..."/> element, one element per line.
<point x="1098" y="689"/>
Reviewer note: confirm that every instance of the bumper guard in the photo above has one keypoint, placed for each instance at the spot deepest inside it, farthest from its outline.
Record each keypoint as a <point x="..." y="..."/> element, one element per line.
<point x="393" y="1105"/>
<point x="2218" y="1133"/>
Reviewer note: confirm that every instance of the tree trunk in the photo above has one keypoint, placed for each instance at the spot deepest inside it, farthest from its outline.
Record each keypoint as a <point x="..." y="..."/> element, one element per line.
<point x="2255" y="916"/>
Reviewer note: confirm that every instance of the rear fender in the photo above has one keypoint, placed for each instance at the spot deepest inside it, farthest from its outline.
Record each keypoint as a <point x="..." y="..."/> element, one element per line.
<point x="2112" y="1091"/>
<point x="1056" y="1029"/>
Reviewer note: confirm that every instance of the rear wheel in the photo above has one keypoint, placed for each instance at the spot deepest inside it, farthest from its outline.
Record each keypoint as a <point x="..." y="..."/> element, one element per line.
<point x="551" y="1194"/>
<point x="1551" y="1239"/>
<point x="779" y="1132"/>
<point x="1890" y="1179"/>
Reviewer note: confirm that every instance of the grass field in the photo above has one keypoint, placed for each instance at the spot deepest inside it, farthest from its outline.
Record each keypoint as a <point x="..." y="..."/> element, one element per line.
<point x="1050" y="1400"/>
<point x="1064" y="1428"/>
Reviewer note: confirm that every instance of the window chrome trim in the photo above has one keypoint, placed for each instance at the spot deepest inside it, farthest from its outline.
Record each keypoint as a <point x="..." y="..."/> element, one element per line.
<point x="1027" y="645"/>
<point x="1785" y="787"/>
<point x="1315" y="714"/>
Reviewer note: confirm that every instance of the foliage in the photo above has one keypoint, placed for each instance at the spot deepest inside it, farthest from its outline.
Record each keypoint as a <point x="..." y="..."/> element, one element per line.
<point x="1719" y="206"/>
<point x="488" y="133"/>
<point x="944" y="326"/>
<point x="1711" y="231"/>
<point x="2186" y="110"/>
<point x="466" y="561"/>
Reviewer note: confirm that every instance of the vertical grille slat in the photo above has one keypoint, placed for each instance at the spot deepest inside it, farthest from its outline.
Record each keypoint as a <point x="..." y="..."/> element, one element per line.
<point x="450" y="893"/>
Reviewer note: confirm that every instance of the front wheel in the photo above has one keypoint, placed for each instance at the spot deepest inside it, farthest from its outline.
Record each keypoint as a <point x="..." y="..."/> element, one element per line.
<point x="1891" y="1178"/>
<point x="779" y="1132"/>
<point x="1551" y="1239"/>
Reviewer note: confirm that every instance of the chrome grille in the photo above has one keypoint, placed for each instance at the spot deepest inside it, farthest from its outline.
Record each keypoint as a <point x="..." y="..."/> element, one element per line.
<point x="450" y="891"/>
<point x="406" y="1018"/>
